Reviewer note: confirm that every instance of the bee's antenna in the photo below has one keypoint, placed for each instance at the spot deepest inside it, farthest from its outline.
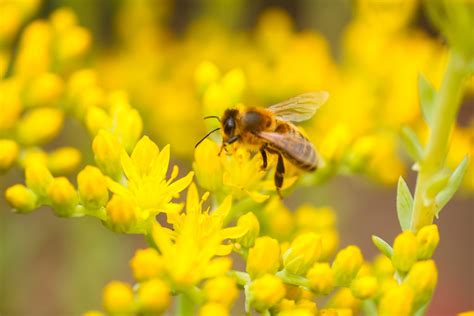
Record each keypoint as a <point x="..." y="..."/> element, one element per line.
<point x="212" y="116"/>
<point x="207" y="135"/>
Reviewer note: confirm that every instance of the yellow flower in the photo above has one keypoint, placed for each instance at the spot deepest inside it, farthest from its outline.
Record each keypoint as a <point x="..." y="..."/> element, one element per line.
<point x="122" y="215"/>
<point x="250" y="222"/>
<point x="343" y="298"/>
<point x="263" y="257"/>
<point x="266" y="292"/>
<point x="93" y="313"/>
<point x="364" y="287"/>
<point x="422" y="278"/>
<point x="43" y="90"/>
<point x="154" y="296"/>
<point x="208" y="166"/>
<point x="8" y="153"/>
<point x="213" y="309"/>
<point x="107" y="151"/>
<point x="404" y="251"/>
<point x="189" y="250"/>
<point x="146" y="264"/>
<point x="117" y="297"/>
<point x="427" y="240"/>
<point x="64" y="160"/>
<point x="221" y="290"/>
<point x="321" y="278"/>
<point x="303" y="253"/>
<point x="346" y="265"/>
<point x="38" y="178"/>
<point x="21" y="198"/>
<point x="146" y="187"/>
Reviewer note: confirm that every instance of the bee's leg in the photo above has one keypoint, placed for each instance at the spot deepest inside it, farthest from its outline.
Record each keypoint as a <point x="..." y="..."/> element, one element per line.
<point x="233" y="139"/>
<point x="222" y="148"/>
<point x="264" y="157"/>
<point x="279" y="172"/>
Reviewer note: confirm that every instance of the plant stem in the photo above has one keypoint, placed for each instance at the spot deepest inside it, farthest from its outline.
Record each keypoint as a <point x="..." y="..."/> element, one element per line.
<point x="184" y="305"/>
<point x="446" y="106"/>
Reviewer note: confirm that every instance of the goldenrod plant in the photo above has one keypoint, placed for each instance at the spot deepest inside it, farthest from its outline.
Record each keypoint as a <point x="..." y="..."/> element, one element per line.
<point x="220" y="240"/>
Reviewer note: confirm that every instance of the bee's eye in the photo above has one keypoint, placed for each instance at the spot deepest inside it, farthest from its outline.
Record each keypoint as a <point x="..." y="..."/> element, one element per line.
<point x="229" y="126"/>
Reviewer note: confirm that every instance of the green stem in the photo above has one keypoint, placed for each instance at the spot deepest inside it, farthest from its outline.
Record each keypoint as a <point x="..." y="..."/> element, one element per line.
<point x="184" y="305"/>
<point x="446" y="106"/>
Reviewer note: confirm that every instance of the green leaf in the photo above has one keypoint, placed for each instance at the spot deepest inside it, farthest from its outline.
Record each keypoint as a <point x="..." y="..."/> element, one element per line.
<point x="437" y="183"/>
<point x="427" y="96"/>
<point x="383" y="246"/>
<point x="404" y="204"/>
<point x="411" y="143"/>
<point x="443" y="197"/>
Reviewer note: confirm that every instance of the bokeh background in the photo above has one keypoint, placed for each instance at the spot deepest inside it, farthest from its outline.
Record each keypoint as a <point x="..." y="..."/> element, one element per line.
<point x="180" y="60"/>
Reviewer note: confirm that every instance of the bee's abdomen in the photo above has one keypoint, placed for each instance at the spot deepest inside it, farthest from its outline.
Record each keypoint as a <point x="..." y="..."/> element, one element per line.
<point x="306" y="158"/>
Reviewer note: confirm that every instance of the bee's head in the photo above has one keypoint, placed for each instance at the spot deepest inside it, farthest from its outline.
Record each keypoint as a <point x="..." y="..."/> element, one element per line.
<point x="229" y="122"/>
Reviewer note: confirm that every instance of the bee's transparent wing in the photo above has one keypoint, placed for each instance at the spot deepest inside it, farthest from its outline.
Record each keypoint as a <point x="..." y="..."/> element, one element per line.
<point x="299" y="108"/>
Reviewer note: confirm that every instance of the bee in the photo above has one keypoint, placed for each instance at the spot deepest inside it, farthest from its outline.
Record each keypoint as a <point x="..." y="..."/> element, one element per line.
<point x="271" y="130"/>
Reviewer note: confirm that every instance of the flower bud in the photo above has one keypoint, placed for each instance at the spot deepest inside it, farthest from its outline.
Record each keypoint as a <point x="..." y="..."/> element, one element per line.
<point x="38" y="178"/>
<point x="346" y="265"/>
<point x="129" y="125"/>
<point x="396" y="301"/>
<point x="343" y="298"/>
<point x="92" y="186"/>
<point x="121" y="213"/>
<point x="21" y="198"/>
<point x="422" y="278"/>
<point x="44" y="90"/>
<point x="251" y="223"/>
<point x="266" y="292"/>
<point x="382" y="266"/>
<point x="39" y="126"/>
<point x="221" y="290"/>
<point x="330" y="242"/>
<point x="404" y="251"/>
<point x="118" y="297"/>
<point x="207" y="166"/>
<point x="107" y="151"/>
<point x="321" y="278"/>
<point x="63" y="196"/>
<point x="93" y="313"/>
<point x="264" y="257"/>
<point x="8" y="153"/>
<point x="364" y="287"/>
<point x="64" y="160"/>
<point x="146" y="264"/>
<point x="213" y="309"/>
<point x="96" y="118"/>
<point x="427" y="239"/>
<point x="154" y="296"/>
<point x="303" y="253"/>
<point x="205" y="74"/>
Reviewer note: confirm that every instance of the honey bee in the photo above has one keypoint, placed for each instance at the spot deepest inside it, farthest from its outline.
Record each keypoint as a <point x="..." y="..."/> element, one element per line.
<point x="271" y="130"/>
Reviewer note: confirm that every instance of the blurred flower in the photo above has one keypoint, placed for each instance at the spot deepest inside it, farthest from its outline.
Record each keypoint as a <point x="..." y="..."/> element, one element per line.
<point x="153" y="296"/>
<point x="118" y="297"/>
<point x="266" y="291"/>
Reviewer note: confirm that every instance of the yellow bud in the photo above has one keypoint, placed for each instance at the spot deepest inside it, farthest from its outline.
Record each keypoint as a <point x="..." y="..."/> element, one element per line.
<point x="328" y="312"/>
<point x="383" y="266"/>
<point x="364" y="287"/>
<point x="44" y="90"/>
<point x="303" y="253"/>
<point x="121" y="213"/>
<point x="321" y="278"/>
<point x="343" y="298"/>
<point x="129" y="125"/>
<point x="39" y="126"/>
<point x="73" y="43"/>
<point x="34" y="155"/>
<point x="315" y="219"/>
<point x="117" y="297"/>
<point x="21" y="198"/>
<point x="266" y="292"/>
<point x="92" y="186"/>
<point x="427" y="239"/>
<point x="63" y="196"/>
<point x="346" y="265"/>
<point x="404" y="251"/>
<point x="207" y="166"/>
<point x="107" y="151"/>
<point x="396" y="302"/>
<point x="93" y="313"/>
<point x="234" y="83"/>
<point x="64" y="160"/>
<point x="251" y="223"/>
<point x="146" y="264"/>
<point x="213" y="309"/>
<point x="154" y="296"/>
<point x="12" y="106"/>
<point x="205" y="74"/>
<point x="62" y="19"/>
<point x="221" y="290"/>
<point x="38" y="178"/>
<point x="96" y="119"/>
<point x="264" y="257"/>
<point x="307" y="307"/>
<point x="330" y="242"/>
<point x="8" y="153"/>
<point x="422" y="278"/>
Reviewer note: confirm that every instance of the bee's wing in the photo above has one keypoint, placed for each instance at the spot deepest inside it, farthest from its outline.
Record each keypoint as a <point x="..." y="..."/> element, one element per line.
<point x="294" y="147"/>
<point x="299" y="108"/>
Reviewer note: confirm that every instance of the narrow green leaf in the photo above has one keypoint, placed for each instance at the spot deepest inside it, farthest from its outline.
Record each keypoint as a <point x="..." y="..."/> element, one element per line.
<point x="411" y="143"/>
<point x="383" y="246"/>
<point x="427" y="94"/>
<point x="404" y="204"/>
<point x="437" y="183"/>
<point x="443" y="197"/>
